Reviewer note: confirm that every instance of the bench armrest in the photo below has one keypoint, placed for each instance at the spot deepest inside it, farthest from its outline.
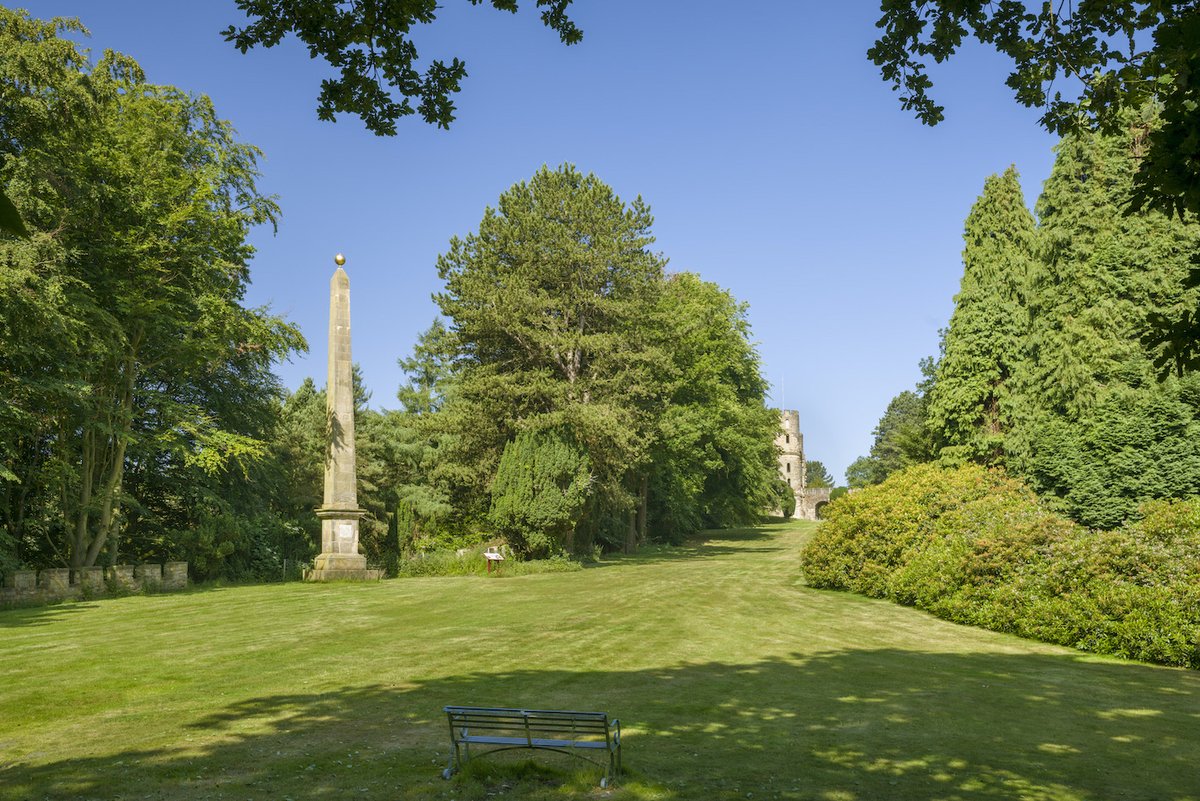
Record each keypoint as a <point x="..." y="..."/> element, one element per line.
<point x="616" y="724"/>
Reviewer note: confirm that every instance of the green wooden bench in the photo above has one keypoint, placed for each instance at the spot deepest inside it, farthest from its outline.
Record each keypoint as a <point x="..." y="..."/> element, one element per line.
<point x="578" y="734"/>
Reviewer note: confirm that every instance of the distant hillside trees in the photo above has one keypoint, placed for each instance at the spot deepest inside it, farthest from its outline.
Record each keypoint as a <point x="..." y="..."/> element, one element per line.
<point x="902" y="438"/>
<point x="816" y="475"/>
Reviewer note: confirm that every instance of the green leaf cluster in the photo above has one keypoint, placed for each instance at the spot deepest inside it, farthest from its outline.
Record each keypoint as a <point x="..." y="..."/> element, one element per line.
<point x="1088" y="66"/>
<point x="370" y="43"/>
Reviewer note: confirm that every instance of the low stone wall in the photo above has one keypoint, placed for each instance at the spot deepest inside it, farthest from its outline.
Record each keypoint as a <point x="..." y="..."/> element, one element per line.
<point x="56" y="584"/>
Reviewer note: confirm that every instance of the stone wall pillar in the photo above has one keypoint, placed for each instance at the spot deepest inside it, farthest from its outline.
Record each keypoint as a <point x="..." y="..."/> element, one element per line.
<point x="23" y="581"/>
<point x="149" y="576"/>
<point x="122" y="576"/>
<point x="174" y="575"/>
<point x="55" y="581"/>
<point x="91" y="579"/>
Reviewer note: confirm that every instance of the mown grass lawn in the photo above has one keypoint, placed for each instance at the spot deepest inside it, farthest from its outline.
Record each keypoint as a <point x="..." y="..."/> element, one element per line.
<point x="731" y="679"/>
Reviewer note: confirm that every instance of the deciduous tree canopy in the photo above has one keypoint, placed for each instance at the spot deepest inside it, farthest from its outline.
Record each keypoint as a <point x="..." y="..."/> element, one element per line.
<point x="128" y="354"/>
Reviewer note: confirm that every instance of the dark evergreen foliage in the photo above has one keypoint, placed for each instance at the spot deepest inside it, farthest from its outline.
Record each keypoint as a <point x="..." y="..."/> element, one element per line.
<point x="540" y="491"/>
<point x="981" y="348"/>
<point x="816" y="474"/>
<point x="1090" y="424"/>
<point x="1045" y="367"/>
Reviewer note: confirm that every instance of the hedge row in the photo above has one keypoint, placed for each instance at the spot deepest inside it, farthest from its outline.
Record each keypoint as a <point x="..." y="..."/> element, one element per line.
<point x="975" y="546"/>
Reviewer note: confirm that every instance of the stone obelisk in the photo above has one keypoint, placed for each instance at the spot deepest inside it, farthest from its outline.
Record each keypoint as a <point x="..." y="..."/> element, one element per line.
<point x="339" y="557"/>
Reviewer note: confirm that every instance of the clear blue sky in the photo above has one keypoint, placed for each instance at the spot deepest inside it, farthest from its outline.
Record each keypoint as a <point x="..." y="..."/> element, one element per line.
<point x="776" y="161"/>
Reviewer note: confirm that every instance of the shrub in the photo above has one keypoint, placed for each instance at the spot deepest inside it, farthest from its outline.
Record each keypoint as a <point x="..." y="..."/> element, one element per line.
<point x="868" y="534"/>
<point x="541" y="485"/>
<point x="977" y="547"/>
<point x="472" y="563"/>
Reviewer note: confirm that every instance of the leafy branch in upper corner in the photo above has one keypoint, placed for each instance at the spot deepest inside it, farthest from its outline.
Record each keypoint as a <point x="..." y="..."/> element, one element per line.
<point x="370" y="43"/>
<point x="1122" y="54"/>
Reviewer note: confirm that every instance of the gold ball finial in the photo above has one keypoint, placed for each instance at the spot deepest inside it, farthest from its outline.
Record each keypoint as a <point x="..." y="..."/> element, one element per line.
<point x="339" y="260"/>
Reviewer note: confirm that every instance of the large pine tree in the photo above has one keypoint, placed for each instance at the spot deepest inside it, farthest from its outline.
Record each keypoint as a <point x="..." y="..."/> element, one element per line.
<point x="552" y="309"/>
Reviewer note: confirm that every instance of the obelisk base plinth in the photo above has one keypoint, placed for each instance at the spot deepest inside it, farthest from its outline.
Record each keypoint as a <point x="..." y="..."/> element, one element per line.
<point x="339" y="559"/>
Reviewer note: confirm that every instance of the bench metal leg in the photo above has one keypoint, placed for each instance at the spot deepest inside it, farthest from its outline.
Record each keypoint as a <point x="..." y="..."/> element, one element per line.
<point x="454" y="764"/>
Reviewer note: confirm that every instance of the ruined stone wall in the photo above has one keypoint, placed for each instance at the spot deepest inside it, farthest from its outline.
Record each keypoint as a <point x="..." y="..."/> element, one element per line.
<point x="809" y="503"/>
<point x="57" y="584"/>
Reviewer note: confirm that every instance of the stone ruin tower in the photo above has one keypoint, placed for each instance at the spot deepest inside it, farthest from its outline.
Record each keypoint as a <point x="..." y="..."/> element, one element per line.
<point x="790" y="442"/>
<point x="793" y="468"/>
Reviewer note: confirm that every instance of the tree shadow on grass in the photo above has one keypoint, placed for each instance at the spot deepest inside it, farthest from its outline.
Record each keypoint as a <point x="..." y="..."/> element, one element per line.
<point x="842" y="726"/>
<point x="706" y="545"/>
<point x="43" y="614"/>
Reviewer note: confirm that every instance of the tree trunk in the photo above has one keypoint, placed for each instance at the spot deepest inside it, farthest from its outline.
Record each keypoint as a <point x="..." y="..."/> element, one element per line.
<point x="631" y="542"/>
<point x="87" y="467"/>
<point x="87" y="545"/>
<point x="642" y="511"/>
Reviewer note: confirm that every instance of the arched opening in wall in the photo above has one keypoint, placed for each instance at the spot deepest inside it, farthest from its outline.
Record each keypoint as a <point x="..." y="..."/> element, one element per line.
<point x="820" y="510"/>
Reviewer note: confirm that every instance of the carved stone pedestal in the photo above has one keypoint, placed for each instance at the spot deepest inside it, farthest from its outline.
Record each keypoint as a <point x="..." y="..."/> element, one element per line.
<point x="339" y="558"/>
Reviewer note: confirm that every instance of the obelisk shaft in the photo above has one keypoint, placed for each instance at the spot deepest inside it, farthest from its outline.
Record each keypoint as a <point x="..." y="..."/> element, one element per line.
<point x="341" y="491"/>
<point x="339" y="557"/>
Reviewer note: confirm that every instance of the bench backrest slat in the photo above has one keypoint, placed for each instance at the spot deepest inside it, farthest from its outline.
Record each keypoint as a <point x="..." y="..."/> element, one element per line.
<point x="529" y="723"/>
<point x="518" y="723"/>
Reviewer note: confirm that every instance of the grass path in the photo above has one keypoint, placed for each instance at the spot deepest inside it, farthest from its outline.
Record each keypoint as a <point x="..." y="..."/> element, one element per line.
<point x="731" y="678"/>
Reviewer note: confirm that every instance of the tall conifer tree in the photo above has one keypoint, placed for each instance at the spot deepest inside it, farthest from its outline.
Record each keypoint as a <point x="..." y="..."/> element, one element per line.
<point x="1092" y="426"/>
<point x="980" y="349"/>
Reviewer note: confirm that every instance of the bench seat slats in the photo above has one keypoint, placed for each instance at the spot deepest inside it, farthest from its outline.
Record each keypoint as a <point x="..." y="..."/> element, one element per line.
<point x="537" y="742"/>
<point x="509" y="726"/>
<point x="533" y="719"/>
